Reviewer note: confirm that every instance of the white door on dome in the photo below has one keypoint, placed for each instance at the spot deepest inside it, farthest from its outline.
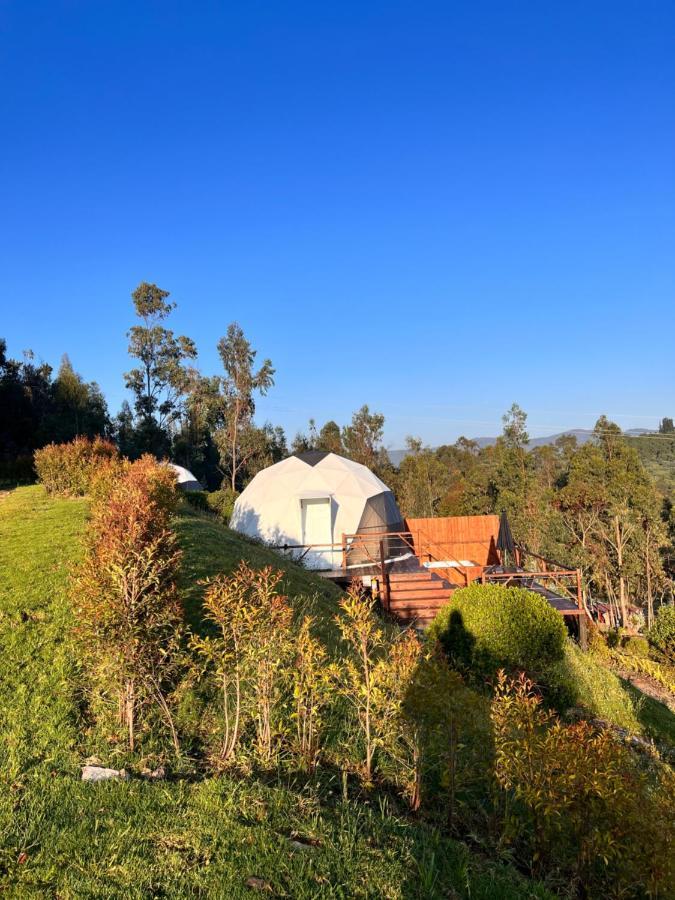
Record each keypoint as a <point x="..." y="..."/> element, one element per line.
<point x="317" y="529"/>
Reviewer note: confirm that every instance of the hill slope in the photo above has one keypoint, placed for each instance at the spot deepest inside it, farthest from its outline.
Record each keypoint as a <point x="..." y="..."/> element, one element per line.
<point x="176" y="838"/>
<point x="209" y="547"/>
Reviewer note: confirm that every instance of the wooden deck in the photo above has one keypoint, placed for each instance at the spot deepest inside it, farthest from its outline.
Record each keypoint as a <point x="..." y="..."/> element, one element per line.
<point x="415" y="573"/>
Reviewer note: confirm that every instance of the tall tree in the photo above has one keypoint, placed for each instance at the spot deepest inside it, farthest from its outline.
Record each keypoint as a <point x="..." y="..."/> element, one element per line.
<point x="423" y="480"/>
<point x="236" y="438"/>
<point x="515" y="434"/>
<point x="161" y="379"/>
<point x="330" y="438"/>
<point x="78" y="408"/>
<point x="362" y="438"/>
<point x="305" y="440"/>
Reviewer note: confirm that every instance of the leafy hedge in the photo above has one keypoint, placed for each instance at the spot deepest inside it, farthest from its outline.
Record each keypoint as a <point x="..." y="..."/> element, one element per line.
<point x="486" y="627"/>
<point x="662" y="633"/>
<point x="219" y="502"/>
<point x="635" y="645"/>
<point x="580" y="679"/>
<point x="197" y="499"/>
<point x="222" y="502"/>
<point x="67" y="470"/>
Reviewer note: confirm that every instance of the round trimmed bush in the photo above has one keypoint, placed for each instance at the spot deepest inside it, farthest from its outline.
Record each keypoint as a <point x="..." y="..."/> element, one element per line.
<point x="485" y="627"/>
<point x="662" y="633"/>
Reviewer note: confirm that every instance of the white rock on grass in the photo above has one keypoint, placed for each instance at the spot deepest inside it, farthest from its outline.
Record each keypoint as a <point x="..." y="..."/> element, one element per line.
<point x="99" y="773"/>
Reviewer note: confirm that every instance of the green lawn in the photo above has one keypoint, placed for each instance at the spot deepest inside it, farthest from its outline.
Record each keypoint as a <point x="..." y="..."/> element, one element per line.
<point x="176" y="838"/>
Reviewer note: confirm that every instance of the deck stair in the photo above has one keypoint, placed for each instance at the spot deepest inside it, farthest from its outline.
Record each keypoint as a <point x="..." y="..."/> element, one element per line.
<point x="415" y="597"/>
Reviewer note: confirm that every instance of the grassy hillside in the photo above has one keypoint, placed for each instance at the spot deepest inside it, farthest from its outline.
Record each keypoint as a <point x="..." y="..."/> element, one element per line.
<point x="210" y="547"/>
<point x="174" y="838"/>
<point x="657" y="452"/>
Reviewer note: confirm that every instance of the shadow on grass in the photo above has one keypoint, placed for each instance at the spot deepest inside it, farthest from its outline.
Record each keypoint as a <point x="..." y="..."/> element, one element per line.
<point x="657" y="720"/>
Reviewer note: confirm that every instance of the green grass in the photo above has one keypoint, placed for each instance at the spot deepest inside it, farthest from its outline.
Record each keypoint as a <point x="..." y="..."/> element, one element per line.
<point x="588" y="681"/>
<point x="62" y="838"/>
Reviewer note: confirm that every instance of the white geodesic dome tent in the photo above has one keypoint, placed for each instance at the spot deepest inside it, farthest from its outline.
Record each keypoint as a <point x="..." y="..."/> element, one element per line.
<point x="185" y="480"/>
<point x="315" y="498"/>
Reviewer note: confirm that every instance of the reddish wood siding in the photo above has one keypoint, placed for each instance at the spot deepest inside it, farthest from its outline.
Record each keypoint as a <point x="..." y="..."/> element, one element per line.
<point x="457" y="538"/>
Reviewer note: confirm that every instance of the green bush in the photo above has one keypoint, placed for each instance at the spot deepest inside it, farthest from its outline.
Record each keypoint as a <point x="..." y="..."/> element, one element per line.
<point x="486" y="627"/>
<point x="634" y="645"/>
<point x="198" y="499"/>
<point x="579" y="802"/>
<point x="662" y="633"/>
<point x="67" y="470"/>
<point x="222" y="502"/>
<point x="614" y="637"/>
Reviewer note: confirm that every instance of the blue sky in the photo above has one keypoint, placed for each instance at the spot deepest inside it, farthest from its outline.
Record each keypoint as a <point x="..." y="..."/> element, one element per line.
<point x="433" y="208"/>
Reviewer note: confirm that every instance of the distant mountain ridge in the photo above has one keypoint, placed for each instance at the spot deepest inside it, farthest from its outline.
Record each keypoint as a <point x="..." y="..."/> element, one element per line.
<point x="581" y="434"/>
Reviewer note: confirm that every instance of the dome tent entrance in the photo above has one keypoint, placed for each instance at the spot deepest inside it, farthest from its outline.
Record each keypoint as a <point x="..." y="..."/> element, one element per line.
<point x="313" y="499"/>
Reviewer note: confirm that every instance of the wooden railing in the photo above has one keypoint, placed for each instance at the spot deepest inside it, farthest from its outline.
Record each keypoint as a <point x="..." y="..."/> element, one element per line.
<point x="380" y="549"/>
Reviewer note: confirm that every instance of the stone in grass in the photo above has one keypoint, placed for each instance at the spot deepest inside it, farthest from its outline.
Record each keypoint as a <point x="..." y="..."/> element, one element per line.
<point x="299" y="845"/>
<point x="100" y="773"/>
<point x="158" y="774"/>
<point x="301" y="842"/>
<point x="258" y="884"/>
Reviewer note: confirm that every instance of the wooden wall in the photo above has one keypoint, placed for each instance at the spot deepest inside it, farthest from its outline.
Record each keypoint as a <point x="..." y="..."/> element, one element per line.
<point x="470" y="538"/>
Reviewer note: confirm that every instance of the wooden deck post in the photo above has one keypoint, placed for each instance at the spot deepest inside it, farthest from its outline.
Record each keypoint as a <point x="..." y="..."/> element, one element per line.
<point x="580" y="602"/>
<point x="385" y="580"/>
<point x="344" y="551"/>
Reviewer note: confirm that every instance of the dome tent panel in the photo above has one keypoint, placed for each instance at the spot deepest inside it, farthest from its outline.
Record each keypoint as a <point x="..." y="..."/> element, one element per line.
<point x="185" y="480"/>
<point x="380" y="514"/>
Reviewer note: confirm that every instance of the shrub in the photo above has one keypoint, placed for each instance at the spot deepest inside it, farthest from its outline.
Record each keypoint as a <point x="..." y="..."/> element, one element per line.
<point x="614" y="637"/>
<point x="486" y="627"/>
<point x="125" y="595"/>
<point x="635" y="645"/>
<point x="222" y="502"/>
<point x="579" y="803"/>
<point x="197" y="499"/>
<point x="67" y="469"/>
<point x="249" y="659"/>
<point x="364" y="636"/>
<point x="662" y="633"/>
<point x="313" y="683"/>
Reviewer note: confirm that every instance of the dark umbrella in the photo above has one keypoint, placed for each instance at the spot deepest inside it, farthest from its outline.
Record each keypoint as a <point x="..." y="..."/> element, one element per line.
<point x="505" y="542"/>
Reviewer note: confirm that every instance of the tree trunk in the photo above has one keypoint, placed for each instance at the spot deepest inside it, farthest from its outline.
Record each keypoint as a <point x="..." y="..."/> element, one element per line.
<point x="622" y="581"/>
<point x="235" y="426"/>
<point x="650" y="598"/>
<point x="129" y="712"/>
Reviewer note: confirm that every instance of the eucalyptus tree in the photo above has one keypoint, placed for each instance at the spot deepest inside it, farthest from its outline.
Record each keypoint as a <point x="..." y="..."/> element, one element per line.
<point x="237" y="438"/>
<point x="161" y="379"/>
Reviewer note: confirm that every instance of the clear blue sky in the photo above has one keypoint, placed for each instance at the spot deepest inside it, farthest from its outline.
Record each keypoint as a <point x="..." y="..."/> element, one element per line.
<point x="434" y="208"/>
